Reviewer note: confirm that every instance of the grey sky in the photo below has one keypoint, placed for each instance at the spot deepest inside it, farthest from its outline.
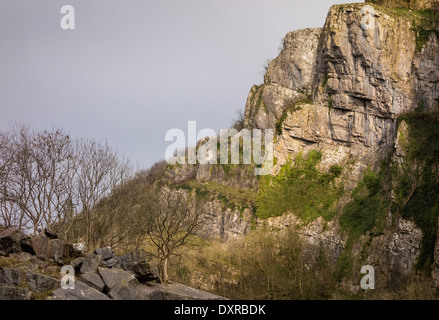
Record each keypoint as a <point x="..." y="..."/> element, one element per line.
<point x="134" y="69"/>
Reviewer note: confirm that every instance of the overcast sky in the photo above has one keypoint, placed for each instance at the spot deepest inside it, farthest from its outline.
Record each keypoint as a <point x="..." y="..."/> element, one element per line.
<point x="133" y="69"/>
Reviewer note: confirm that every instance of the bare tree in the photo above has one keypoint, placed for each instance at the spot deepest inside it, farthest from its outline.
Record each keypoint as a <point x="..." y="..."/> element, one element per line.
<point x="48" y="179"/>
<point x="238" y="123"/>
<point x="170" y="219"/>
<point x="100" y="173"/>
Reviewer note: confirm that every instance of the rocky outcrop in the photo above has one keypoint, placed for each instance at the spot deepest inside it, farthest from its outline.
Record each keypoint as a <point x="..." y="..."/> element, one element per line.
<point x="132" y="277"/>
<point x="288" y="79"/>
<point x="341" y="90"/>
<point x="410" y="4"/>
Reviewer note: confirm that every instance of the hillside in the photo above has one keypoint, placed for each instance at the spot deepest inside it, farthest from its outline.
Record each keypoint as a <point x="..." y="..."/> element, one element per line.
<point x="355" y="109"/>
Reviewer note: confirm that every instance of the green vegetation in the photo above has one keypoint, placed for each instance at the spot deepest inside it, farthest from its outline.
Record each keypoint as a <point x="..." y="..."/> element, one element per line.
<point x="366" y="210"/>
<point x="301" y="189"/>
<point x="259" y="99"/>
<point x="365" y="213"/>
<point x="292" y="108"/>
<point x="415" y="183"/>
<point x="417" y="191"/>
<point x="237" y="197"/>
<point x="423" y="33"/>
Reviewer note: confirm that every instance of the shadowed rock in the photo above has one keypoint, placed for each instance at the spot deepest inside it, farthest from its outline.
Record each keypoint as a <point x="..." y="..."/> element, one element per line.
<point x="112" y="277"/>
<point x="81" y="292"/>
<point x="12" y="241"/>
<point x="106" y="253"/>
<point x="10" y="277"/>
<point x="13" y="293"/>
<point x="93" y="280"/>
<point x="40" y="283"/>
<point x="124" y="291"/>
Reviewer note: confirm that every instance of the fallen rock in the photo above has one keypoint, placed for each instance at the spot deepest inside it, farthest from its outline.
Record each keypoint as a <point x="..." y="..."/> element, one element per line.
<point x="40" y="283"/>
<point x="11" y="277"/>
<point x="131" y="259"/>
<point x="180" y="292"/>
<point x="112" y="263"/>
<point x="12" y="241"/>
<point x="91" y="263"/>
<point x="14" y="293"/>
<point x="81" y="292"/>
<point x="93" y="280"/>
<point x="77" y="263"/>
<point x="25" y="256"/>
<point x="145" y="272"/>
<point x="151" y="293"/>
<point x="112" y="277"/>
<point x="51" y="269"/>
<point x="106" y="253"/>
<point x="48" y="248"/>
<point x="124" y="291"/>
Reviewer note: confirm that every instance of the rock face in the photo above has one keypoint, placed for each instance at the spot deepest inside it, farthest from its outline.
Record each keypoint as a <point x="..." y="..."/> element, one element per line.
<point x="340" y="90"/>
<point x="411" y="4"/>
<point x="288" y="79"/>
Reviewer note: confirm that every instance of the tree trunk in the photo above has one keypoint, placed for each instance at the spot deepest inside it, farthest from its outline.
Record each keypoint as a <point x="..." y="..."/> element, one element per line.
<point x="165" y="270"/>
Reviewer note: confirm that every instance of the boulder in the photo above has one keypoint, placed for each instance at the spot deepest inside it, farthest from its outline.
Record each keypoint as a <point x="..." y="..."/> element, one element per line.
<point x="10" y="277"/>
<point x="51" y="269"/>
<point x="48" y="248"/>
<point x="131" y="259"/>
<point x="40" y="283"/>
<point x="12" y="241"/>
<point x="151" y="293"/>
<point x="25" y="256"/>
<point x="93" y="280"/>
<point x="81" y="292"/>
<point x="14" y="293"/>
<point x="112" y="277"/>
<point x="106" y="253"/>
<point x="145" y="272"/>
<point x="124" y="291"/>
<point x="39" y="263"/>
<point x="112" y="263"/>
<point x="181" y="292"/>
<point x="91" y="263"/>
<point x="77" y="263"/>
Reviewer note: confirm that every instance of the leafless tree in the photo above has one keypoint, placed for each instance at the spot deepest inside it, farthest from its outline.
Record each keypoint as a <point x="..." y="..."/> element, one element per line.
<point x="100" y="173"/>
<point x="238" y="123"/>
<point x="48" y="179"/>
<point x="170" y="219"/>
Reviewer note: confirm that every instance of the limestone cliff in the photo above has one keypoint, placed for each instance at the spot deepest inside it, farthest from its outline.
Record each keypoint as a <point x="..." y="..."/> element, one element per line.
<point x="342" y="90"/>
<point x="410" y="4"/>
<point x="361" y="90"/>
